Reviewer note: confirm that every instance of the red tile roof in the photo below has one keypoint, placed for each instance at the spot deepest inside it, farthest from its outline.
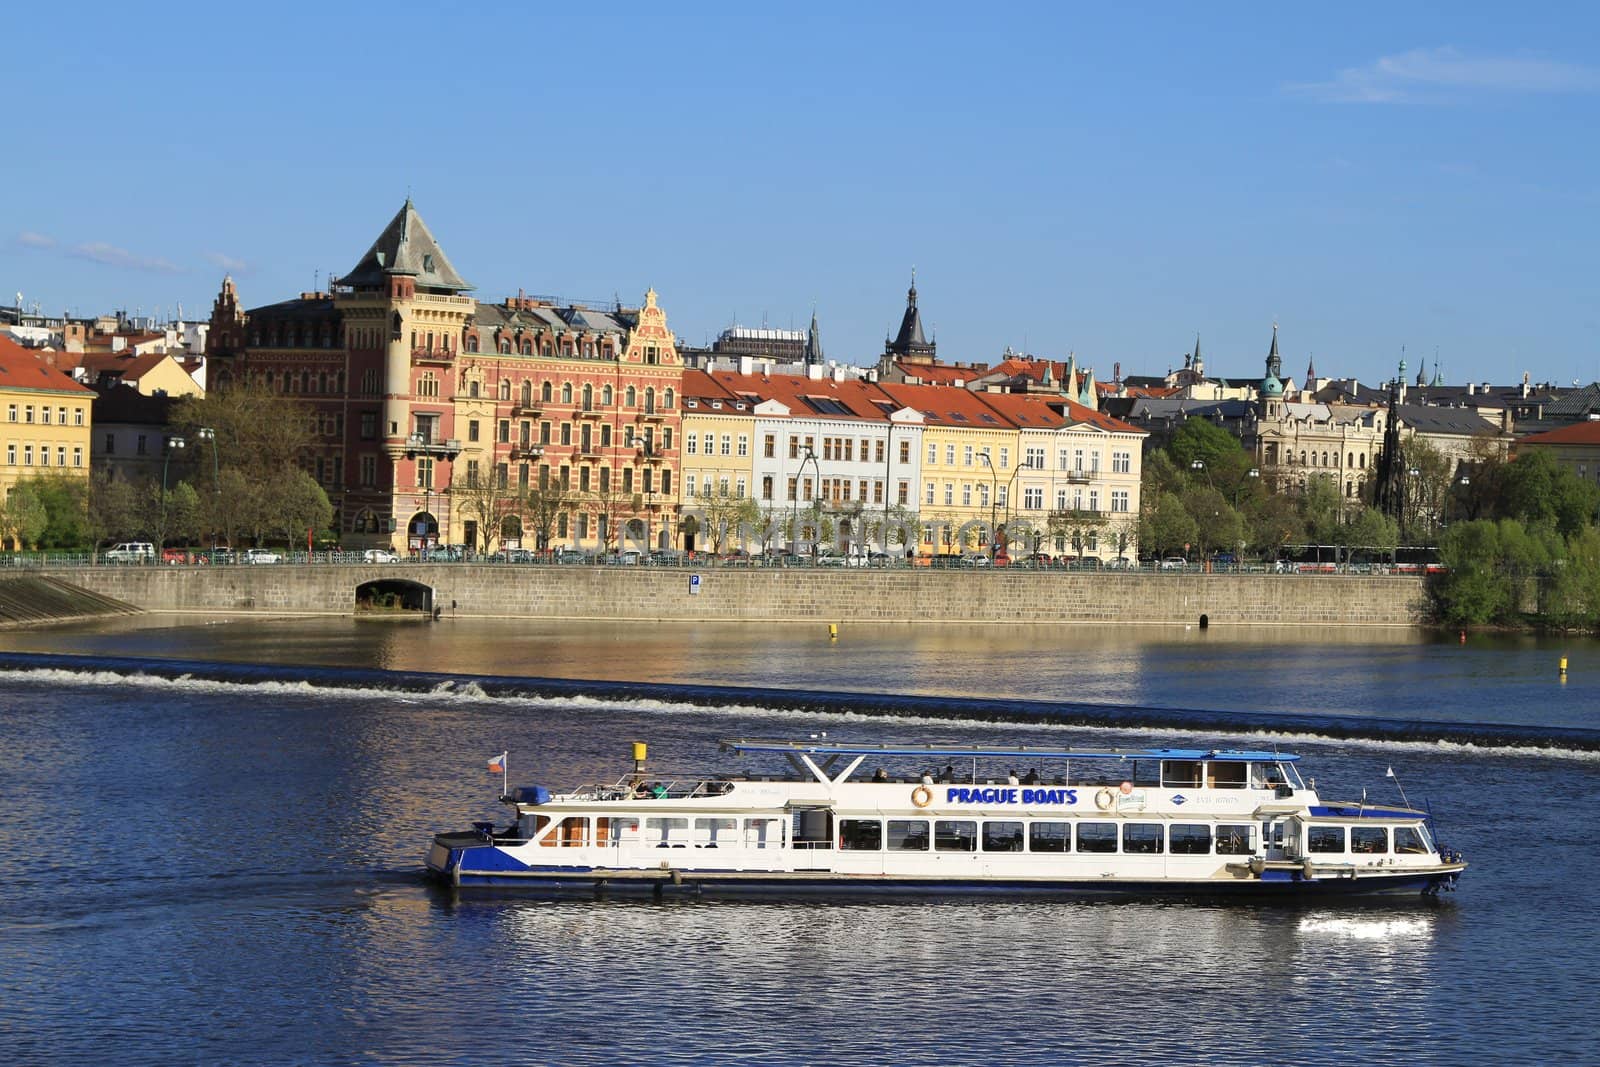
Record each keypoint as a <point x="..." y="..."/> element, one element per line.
<point x="938" y="373"/>
<point x="1579" y="433"/>
<point x="129" y="366"/>
<point x="1032" y="410"/>
<point x="807" y="397"/>
<point x="23" y="369"/>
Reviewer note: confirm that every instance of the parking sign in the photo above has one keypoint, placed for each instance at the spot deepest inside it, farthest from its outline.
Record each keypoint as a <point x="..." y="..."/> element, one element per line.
<point x="694" y="585"/>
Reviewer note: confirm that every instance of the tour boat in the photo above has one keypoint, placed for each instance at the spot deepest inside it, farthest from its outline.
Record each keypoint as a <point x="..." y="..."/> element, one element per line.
<point x="1011" y="821"/>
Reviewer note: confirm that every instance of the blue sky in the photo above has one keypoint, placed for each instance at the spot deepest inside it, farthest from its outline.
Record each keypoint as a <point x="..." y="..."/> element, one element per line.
<point x="1065" y="178"/>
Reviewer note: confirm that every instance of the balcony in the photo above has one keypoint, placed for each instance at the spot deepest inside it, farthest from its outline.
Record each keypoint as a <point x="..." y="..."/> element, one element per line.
<point x="424" y="445"/>
<point x="433" y="355"/>
<point x="651" y="454"/>
<point x="651" y="416"/>
<point x="526" y="450"/>
<point x="589" y="413"/>
<point x="1079" y="477"/>
<point x="532" y="407"/>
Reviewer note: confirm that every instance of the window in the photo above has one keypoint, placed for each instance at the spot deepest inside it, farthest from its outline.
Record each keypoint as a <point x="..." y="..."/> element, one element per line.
<point x="44" y="414"/>
<point x="472" y="429"/>
<point x="791" y="489"/>
<point x="727" y="444"/>
<point x="663" y="833"/>
<point x="61" y="455"/>
<point x="77" y="417"/>
<point x="369" y="425"/>
<point x="966" y="456"/>
<point x="1077" y="459"/>
<point x="1032" y="498"/>
<point x="1097" y="837"/>
<point x="714" y="831"/>
<point x="1233" y="839"/>
<point x="1190" y="839"/>
<point x="1409" y="840"/>
<point x="77" y="455"/>
<point x="950" y="455"/>
<point x="27" y="455"/>
<point x="1119" y="500"/>
<point x="744" y="444"/>
<point x="11" y="413"/>
<point x="472" y="474"/>
<point x="111" y="444"/>
<point x="955" y="835"/>
<point x="904" y="493"/>
<point x="27" y="413"/>
<point x="930" y="492"/>
<point x="1121" y="463"/>
<point x="1004" y="836"/>
<point x="139" y="446"/>
<point x="369" y="471"/>
<point x="425" y="472"/>
<point x="766" y="487"/>
<point x="710" y="443"/>
<point x="11" y="455"/>
<point x="770" y="445"/>
<point x="860" y="835"/>
<point x="1369" y="839"/>
<point x="966" y="494"/>
<point x="949" y="493"/>
<point x="908" y="835"/>
<point x="933" y="453"/>
<point x="1049" y="837"/>
<point x="1142" y="839"/>
<point x="1325" y="839"/>
<point x="905" y="451"/>
<point x="1035" y="459"/>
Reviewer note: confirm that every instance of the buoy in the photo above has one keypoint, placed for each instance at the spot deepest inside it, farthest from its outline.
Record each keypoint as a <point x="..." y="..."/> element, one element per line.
<point x="1463" y="637"/>
<point x="833" y="631"/>
<point x="1563" y="666"/>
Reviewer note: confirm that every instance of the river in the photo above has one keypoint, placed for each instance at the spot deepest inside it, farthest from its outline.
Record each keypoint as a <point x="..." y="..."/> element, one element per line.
<point x="220" y="862"/>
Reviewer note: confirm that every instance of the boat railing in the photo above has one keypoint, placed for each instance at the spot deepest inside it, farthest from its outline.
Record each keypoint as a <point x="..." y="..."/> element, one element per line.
<point x="632" y="787"/>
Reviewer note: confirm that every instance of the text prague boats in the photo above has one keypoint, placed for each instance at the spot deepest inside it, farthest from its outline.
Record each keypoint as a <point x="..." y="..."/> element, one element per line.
<point x="1051" y="821"/>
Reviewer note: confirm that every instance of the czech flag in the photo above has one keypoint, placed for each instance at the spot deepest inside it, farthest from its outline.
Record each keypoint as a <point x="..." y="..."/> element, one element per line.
<point x="497" y="764"/>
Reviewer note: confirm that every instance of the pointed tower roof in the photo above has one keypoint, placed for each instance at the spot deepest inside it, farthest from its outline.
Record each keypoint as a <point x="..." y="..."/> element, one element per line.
<point x="1272" y="383"/>
<point x="1311" y="370"/>
<point x="1090" y="396"/>
<point x="911" y="340"/>
<point x="814" y="343"/>
<point x="406" y="246"/>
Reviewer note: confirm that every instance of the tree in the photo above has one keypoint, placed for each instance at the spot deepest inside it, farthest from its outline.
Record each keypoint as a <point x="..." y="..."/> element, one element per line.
<point x="113" y="510"/>
<point x="168" y="513"/>
<point x="300" y="505"/>
<point x="1371" y="528"/>
<point x="22" y="517"/>
<point x="1217" y="525"/>
<point x="545" y="504"/>
<point x="1075" y="528"/>
<point x="611" y="506"/>
<point x="723" y="514"/>
<point x="1273" y="521"/>
<point x="65" y="499"/>
<point x="487" y="502"/>
<point x="1165" y="525"/>
<point x="1472" y="590"/>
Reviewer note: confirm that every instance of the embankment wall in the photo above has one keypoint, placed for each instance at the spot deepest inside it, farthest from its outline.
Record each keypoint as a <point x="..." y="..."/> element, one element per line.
<point x="779" y="595"/>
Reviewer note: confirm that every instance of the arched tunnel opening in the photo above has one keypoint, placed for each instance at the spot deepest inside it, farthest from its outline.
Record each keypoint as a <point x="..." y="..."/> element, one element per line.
<point x="394" y="594"/>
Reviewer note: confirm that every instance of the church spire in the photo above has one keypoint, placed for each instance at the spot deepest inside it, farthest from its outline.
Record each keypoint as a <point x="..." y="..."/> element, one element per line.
<point x="911" y="341"/>
<point x="813" y="343"/>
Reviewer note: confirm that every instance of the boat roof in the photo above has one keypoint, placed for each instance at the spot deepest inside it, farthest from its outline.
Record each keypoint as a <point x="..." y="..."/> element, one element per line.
<point x="828" y="748"/>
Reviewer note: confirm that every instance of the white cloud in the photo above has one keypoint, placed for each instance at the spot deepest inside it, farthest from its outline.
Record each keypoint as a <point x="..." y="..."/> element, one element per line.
<point x="112" y="256"/>
<point x="29" y="239"/>
<point x="1431" y="74"/>
<point x="231" y="264"/>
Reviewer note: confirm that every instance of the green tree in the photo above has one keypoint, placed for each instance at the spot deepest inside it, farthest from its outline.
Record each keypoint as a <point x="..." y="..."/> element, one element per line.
<point x="1473" y="589"/>
<point x="1217" y="525"/>
<point x="300" y="505"/>
<point x="1273" y="521"/>
<point x="1371" y="528"/>
<point x="1165" y="526"/>
<point x="22" y="517"/>
<point x="1573" y="595"/>
<point x="1535" y="489"/>
<point x="170" y="514"/>
<point x="113" y="510"/>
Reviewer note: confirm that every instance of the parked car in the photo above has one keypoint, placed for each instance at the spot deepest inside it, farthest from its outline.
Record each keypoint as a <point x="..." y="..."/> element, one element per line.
<point x="174" y="556"/>
<point x="1122" y="563"/>
<point x="131" y="552"/>
<point x="260" y="555"/>
<point x="571" y="555"/>
<point x="662" y="557"/>
<point x="974" y="559"/>
<point x="630" y="558"/>
<point x="515" y="555"/>
<point x="380" y="555"/>
<point x="879" y="559"/>
<point x="1174" y="563"/>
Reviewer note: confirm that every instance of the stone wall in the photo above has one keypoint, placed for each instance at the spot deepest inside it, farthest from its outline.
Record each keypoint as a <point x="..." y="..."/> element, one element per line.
<point x="774" y="595"/>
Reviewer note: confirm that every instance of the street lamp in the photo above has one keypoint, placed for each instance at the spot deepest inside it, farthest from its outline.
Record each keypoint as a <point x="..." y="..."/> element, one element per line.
<point x="206" y="433"/>
<point x="816" y="470"/>
<point x="994" y="483"/>
<point x="173" y="444"/>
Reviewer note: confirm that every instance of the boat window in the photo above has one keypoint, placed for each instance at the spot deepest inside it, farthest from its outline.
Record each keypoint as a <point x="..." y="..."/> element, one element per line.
<point x="1229" y="775"/>
<point x="666" y="832"/>
<point x="611" y="831"/>
<point x="1233" y="839"/>
<point x="1049" y="837"/>
<point x="715" y="832"/>
<point x="862" y="835"/>
<point x="571" y="832"/>
<point x="1097" y="837"/>
<point x="1142" y="838"/>
<point x="1146" y="772"/>
<point x="1267" y="775"/>
<point x="1408" y="839"/>
<point x="1190" y="839"/>
<point x="763" y="833"/>
<point x="1369" y="839"/>
<point x="1004" y="836"/>
<point x="1325" y="839"/>
<point x="1181" y="773"/>
<point x="955" y="835"/>
<point x="908" y="835"/>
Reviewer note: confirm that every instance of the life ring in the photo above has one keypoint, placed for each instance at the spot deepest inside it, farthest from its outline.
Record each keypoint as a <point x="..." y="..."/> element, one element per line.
<point x="1126" y="787"/>
<point x="1104" y="799"/>
<point x="922" y="796"/>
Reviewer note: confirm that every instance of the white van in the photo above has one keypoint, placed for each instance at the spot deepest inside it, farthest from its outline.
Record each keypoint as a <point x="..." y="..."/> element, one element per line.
<point x="131" y="552"/>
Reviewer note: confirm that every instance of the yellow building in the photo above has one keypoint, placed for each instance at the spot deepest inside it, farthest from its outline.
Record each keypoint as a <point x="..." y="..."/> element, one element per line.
<point x="47" y="419"/>
<point x="718" y="459"/>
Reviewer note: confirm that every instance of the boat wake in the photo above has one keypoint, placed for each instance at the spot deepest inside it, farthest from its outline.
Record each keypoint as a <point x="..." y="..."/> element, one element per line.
<point x="435" y="688"/>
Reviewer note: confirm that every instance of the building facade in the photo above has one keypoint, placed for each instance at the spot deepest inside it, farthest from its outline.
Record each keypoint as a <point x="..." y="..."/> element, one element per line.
<point x="48" y="419"/>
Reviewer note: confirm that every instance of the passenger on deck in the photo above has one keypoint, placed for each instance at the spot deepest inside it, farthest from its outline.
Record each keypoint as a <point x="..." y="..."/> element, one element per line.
<point x="880" y="775"/>
<point x="641" y="792"/>
<point x="1032" y="777"/>
<point x="927" y="777"/>
<point x="949" y="773"/>
<point x="658" y="791"/>
<point x="1011" y="777"/>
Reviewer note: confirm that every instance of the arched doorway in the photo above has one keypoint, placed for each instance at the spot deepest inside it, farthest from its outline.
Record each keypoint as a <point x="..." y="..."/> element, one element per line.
<point x="511" y="531"/>
<point x="422" y="531"/>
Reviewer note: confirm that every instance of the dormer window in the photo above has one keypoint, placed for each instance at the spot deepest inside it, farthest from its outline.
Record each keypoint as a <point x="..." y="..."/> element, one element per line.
<point x="427" y="263"/>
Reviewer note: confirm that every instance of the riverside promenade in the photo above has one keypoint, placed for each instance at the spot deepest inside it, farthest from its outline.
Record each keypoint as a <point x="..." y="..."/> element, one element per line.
<point x="768" y="595"/>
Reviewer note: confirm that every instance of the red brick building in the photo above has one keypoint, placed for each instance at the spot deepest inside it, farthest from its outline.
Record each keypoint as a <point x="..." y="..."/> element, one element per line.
<point x="422" y="398"/>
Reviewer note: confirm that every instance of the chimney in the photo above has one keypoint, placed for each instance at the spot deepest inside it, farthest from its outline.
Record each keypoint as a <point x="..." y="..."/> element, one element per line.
<point x="1472" y="389"/>
<point x="813" y="372"/>
<point x="746" y="364"/>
